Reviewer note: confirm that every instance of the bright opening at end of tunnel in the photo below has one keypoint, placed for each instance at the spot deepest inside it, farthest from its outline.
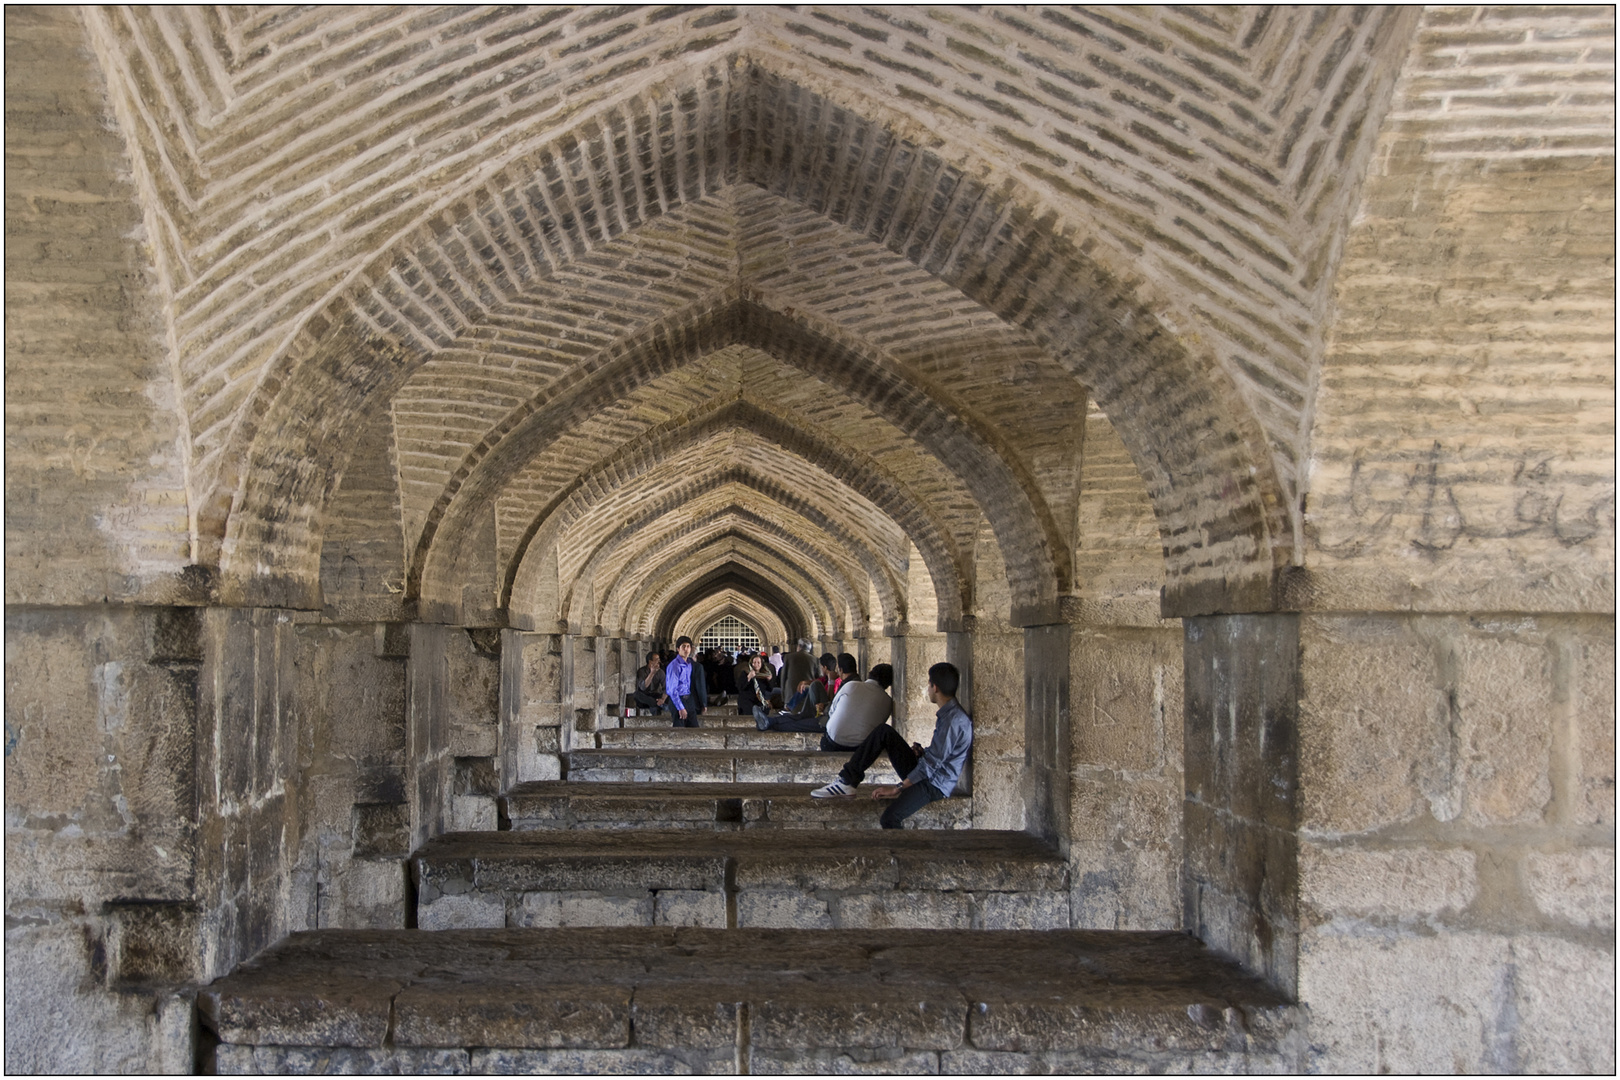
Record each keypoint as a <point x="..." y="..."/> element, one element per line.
<point x="730" y="634"/>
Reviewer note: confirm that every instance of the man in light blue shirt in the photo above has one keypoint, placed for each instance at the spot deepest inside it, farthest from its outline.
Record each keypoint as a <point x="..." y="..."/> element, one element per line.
<point x="925" y="775"/>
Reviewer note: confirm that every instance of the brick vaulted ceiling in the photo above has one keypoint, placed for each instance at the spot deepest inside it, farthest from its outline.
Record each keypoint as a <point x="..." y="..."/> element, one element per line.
<point x="563" y="310"/>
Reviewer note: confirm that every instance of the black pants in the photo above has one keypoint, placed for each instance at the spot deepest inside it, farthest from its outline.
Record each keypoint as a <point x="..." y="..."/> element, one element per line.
<point x="786" y="721"/>
<point x="646" y="699"/>
<point x="691" y="711"/>
<point x="885" y="739"/>
<point x="700" y="690"/>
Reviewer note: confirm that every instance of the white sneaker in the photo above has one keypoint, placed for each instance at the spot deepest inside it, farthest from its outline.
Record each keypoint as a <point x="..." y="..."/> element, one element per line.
<point x="835" y="790"/>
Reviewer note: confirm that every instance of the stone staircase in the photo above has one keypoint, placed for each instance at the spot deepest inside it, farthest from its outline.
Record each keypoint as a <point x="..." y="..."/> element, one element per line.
<point x="679" y="904"/>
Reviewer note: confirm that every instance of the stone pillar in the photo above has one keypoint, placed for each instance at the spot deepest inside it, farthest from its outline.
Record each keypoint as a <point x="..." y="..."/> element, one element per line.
<point x="1046" y="732"/>
<point x="912" y="655"/>
<point x="584" y="692"/>
<point x="531" y="707"/>
<point x="354" y="801"/>
<point x="1240" y="889"/>
<point x="427" y="714"/>
<point x="1125" y="768"/>
<point x="609" y="665"/>
<point x="959" y="651"/>
<point x="473" y="698"/>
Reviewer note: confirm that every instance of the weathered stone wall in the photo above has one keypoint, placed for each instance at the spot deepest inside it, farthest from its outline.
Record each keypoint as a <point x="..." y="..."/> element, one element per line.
<point x="1457" y="719"/>
<point x="1240" y="818"/>
<point x="102" y="839"/>
<point x="1456" y="824"/>
<point x="352" y="790"/>
<point x="531" y="703"/>
<point x="1125" y="786"/>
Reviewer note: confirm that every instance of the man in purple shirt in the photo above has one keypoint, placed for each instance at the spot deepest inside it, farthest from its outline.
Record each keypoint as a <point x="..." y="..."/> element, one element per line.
<point x="678" y="685"/>
<point x="925" y="775"/>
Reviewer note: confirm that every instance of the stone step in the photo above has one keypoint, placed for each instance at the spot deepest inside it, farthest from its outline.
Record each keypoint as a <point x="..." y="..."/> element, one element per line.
<point x="725" y="717"/>
<point x="667" y="738"/>
<point x="600" y="805"/>
<point x="809" y="767"/>
<point x="937" y="879"/>
<point x="665" y="1000"/>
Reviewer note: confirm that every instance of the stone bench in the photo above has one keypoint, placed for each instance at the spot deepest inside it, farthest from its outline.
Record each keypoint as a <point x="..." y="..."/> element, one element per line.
<point x="715" y="766"/>
<point x="664" y="1000"/>
<point x="605" y="805"/>
<point x="961" y="879"/>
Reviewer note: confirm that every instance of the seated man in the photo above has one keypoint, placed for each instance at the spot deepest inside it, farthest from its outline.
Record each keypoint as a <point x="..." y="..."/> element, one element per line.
<point x="826" y="682"/>
<point x="649" y="692"/>
<point x="926" y="775"/>
<point x="799" y="714"/>
<point x="859" y="707"/>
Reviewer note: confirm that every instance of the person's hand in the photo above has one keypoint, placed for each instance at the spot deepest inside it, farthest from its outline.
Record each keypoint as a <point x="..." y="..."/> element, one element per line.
<point x="682" y="713"/>
<point x="917" y="748"/>
<point x="885" y="792"/>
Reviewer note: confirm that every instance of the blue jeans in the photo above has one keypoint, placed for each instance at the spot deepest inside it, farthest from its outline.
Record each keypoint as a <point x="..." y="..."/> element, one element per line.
<point x="908" y="802"/>
<point x="885" y="740"/>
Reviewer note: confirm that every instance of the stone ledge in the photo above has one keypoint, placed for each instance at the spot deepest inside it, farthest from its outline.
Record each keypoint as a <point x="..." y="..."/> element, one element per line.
<point x="716" y="806"/>
<point x="692" y="999"/>
<point x="958" y="879"/>
<point x="712" y="766"/>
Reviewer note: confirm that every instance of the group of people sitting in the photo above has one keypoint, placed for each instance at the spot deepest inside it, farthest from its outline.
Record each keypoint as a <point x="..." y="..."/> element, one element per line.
<point x="850" y="714"/>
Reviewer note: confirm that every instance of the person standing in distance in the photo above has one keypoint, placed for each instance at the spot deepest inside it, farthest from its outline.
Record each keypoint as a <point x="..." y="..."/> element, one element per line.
<point x="683" y="706"/>
<point x="926" y="775"/>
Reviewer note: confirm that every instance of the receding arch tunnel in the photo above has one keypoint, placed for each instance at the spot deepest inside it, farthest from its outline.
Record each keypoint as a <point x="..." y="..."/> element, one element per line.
<point x="385" y="384"/>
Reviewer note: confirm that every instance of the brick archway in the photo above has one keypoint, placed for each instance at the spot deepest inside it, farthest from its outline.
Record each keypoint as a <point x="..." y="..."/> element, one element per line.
<point x="1183" y="422"/>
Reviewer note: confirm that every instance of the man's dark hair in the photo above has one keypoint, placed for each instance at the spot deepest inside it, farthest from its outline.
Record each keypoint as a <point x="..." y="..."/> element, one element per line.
<point x="846" y="663"/>
<point x="682" y="640"/>
<point x="945" y="678"/>
<point x="828" y="661"/>
<point x="882" y="674"/>
<point x="654" y="655"/>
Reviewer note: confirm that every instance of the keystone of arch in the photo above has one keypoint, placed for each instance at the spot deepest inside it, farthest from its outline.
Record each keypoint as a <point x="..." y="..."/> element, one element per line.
<point x="729" y="579"/>
<point x="704" y="613"/>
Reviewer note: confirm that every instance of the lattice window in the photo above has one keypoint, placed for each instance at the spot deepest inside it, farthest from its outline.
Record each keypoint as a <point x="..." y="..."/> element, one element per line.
<point x="731" y="634"/>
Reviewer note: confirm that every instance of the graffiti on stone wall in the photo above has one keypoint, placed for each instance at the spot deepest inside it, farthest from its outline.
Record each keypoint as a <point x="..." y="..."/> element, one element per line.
<point x="1436" y="497"/>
